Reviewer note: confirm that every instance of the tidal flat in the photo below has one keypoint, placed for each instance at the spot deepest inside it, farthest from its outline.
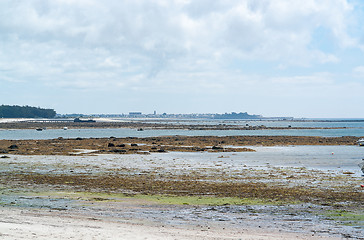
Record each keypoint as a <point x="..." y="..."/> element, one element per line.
<point x="311" y="191"/>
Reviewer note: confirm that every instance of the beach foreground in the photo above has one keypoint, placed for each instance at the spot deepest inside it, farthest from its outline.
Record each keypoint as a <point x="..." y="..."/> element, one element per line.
<point x="44" y="224"/>
<point x="185" y="195"/>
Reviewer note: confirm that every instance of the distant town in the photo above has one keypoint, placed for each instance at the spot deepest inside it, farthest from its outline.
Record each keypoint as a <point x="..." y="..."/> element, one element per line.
<point x="7" y="111"/>
<point x="232" y="115"/>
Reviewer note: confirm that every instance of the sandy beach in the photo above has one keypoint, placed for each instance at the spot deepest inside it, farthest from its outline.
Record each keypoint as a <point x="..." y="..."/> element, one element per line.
<point x="41" y="224"/>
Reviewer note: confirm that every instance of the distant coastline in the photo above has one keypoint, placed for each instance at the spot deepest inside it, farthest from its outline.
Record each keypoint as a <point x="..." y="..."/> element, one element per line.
<point x="7" y="111"/>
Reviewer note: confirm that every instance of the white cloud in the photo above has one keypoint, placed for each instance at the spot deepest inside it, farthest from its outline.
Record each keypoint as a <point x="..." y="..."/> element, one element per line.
<point x="165" y="45"/>
<point x="359" y="71"/>
<point x="317" y="79"/>
<point x="266" y="30"/>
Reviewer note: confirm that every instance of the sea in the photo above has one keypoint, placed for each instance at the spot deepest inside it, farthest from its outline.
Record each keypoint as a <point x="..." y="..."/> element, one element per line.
<point x="326" y="158"/>
<point x="324" y="128"/>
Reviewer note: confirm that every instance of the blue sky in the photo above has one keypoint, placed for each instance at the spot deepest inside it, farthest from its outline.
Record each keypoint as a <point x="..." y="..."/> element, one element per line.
<point x="274" y="58"/>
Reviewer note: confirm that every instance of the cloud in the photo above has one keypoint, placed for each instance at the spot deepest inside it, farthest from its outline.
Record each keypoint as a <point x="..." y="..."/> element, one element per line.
<point x="316" y="79"/>
<point x="169" y="29"/>
<point x="358" y="71"/>
<point x="176" y="45"/>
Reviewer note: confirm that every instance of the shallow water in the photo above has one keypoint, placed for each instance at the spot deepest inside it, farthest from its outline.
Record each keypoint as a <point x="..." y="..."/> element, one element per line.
<point x="18" y="134"/>
<point x="336" y="159"/>
<point x="323" y="123"/>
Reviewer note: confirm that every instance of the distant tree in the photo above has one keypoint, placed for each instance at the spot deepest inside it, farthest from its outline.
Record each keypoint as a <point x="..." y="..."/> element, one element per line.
<point x="7" y="111"/>
<point x="235" y="115"/>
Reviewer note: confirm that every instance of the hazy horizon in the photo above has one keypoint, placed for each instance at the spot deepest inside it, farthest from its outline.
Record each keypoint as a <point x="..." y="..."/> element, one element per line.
<point x="271" y="58"/>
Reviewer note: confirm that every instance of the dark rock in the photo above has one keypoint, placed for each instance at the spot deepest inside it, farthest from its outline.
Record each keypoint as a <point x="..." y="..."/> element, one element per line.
<point x="13" y="146"/>
<point x="134" y="145"/>
<point x="197" y="149"/>
<point x="111" y="145"/>
<point x="118" y="151"/>
<point x="3" y="151"/>
<point x="216" y="148"/>
<point x="121" y="145"/>
<point x="4" y="157"/>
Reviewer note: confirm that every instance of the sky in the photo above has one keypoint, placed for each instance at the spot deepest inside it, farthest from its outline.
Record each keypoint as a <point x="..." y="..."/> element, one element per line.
<point x="273" y="58"/>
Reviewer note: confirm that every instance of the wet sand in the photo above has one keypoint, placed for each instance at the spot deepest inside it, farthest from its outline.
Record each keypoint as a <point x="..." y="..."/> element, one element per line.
<point x="40" y="224"/>
<point x="176" y="196"/>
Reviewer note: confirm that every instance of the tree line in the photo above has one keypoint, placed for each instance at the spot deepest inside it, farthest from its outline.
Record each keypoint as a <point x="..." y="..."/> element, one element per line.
<point x="235" y="115"/>
<point x="7" y="111"/>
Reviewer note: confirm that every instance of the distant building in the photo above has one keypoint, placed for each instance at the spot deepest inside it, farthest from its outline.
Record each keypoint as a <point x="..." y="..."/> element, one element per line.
<point x="79" y="120"/>
<point x="135" y="114"/>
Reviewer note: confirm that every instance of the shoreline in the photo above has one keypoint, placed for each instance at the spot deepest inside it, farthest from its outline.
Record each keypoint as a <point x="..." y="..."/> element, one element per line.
<point x="41" y="224"/>
<point x="138" y="124"/>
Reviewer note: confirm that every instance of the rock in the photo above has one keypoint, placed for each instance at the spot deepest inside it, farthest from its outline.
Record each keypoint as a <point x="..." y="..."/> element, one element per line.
<point x="216" y="148"/>
<point x="13" y="146"/>
<point x="118" y="151"/>
<point x="198" y="149"/>
<point x="361" y="165"/>
<point x="111" y="145"/>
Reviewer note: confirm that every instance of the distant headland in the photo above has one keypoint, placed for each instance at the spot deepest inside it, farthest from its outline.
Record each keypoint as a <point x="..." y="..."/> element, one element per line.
<point x="7" y="111"/>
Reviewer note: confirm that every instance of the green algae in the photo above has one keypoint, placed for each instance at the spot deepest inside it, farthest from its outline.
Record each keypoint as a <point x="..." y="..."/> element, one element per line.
<point x="347" y="218"/>
<point x="203" y="200"/>
<point x="156" y="199"/>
